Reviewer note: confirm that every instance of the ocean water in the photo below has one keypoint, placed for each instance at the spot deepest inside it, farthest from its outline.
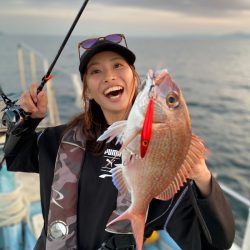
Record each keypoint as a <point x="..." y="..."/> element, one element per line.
<point x="213" y="73"/>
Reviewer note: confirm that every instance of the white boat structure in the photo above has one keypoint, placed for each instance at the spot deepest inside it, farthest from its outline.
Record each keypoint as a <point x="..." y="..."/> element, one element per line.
<point x="29" y="199"/>
<point x="245" y="202"/>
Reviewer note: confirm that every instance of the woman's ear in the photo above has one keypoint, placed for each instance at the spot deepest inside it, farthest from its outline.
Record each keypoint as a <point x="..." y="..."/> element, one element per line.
<point x="88" y="94"/>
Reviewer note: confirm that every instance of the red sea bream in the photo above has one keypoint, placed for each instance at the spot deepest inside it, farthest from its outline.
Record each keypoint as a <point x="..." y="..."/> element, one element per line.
<point x="171" y="152"/>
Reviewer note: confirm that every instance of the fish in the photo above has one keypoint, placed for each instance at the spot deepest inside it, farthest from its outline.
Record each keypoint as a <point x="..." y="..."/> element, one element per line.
<point x="166" y="162"/>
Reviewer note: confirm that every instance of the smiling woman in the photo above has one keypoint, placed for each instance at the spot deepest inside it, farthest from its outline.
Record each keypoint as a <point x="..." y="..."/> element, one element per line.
<point x="77" y="193"/>
<point x="110" y="82"/>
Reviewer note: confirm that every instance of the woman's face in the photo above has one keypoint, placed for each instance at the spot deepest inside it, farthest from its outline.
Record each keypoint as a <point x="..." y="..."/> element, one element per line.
<point x="111" y="83"/>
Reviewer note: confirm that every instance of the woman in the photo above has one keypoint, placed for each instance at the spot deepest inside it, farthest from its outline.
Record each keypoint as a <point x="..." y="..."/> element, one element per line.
<point x="77" y="193"/>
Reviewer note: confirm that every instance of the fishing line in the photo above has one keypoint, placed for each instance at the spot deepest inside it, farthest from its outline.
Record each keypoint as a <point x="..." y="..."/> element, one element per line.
<point x="47" y="76"/>
<point x="198" y="213"/>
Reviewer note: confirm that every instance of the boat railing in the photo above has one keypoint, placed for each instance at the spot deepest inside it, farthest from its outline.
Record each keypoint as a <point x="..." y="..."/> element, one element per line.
<point x="34" y="55"/>
<point x="54" y="117"/>
<point x="246" y="202"/>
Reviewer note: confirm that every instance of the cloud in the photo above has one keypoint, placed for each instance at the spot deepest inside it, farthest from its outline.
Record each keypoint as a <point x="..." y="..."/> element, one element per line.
<point x="189" y="7"/>
<point x="135" y="17"/>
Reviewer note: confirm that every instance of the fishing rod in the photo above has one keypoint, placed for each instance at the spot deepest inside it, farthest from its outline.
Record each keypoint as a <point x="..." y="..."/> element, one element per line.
<point x="14" y="117"/>
<point x="47" y="75"/>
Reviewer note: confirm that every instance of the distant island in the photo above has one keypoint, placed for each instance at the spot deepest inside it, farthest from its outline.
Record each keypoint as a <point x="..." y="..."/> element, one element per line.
<point x="234" y="35"/>
<point x="237" y="35"/>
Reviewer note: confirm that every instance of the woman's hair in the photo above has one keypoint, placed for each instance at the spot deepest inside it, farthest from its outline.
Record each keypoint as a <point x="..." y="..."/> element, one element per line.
<point x="92" y="118"/>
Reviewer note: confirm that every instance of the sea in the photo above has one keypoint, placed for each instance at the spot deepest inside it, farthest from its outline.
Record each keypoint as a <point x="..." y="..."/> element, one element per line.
<point x="213" y="73"/>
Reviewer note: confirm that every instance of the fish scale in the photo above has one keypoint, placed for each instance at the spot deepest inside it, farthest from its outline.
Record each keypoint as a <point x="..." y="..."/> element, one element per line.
<point x="170" y="155"/>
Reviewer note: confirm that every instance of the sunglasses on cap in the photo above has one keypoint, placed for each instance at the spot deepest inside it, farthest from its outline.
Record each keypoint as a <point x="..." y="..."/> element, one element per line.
<point x="89" y="43"/>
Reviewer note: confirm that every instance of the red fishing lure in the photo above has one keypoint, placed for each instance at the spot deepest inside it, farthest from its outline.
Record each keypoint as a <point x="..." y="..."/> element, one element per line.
<point x="147" y="128"/>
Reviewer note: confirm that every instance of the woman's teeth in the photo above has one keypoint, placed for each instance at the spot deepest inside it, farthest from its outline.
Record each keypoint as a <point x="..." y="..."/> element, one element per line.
<point x="113" y="91"/>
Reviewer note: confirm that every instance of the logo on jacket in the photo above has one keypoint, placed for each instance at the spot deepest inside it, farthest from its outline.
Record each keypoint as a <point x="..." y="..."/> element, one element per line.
<point x="56" y="196"/>
<point x="112" y="157"/>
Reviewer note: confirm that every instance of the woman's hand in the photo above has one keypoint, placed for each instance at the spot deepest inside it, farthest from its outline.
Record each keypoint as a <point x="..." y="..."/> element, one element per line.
<point x="202" y="177"/>
<point x="36" y="104"/>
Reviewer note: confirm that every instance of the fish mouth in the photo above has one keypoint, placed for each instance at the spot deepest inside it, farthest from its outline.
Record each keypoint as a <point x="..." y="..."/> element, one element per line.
<point x="114" y="91"/>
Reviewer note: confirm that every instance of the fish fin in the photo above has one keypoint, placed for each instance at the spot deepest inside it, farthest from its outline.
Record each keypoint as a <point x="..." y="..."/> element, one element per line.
<point x="129" y="139"/>
<point x="118" y="179"/>
<point x="150" y="74"/>
<point x="121" y="227"/>
<point x="137" y="223"/>
<point x="196" y="151"/>
<point x="166" y="194"/>
<point x="123" y="203"/>
<point x="116" y="130"/>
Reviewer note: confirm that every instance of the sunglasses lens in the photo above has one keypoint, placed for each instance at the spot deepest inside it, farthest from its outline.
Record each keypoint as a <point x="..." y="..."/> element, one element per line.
<point x="87" y="44"/>
<point x="116" y="38"/>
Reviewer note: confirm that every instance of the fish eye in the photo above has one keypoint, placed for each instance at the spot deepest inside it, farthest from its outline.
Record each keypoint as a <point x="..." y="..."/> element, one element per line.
<point x="172" y="100"/>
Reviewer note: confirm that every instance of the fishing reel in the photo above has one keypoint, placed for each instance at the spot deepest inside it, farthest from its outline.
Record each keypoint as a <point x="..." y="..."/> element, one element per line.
<point x="14" y="116"/>
<point x="16" y="120"/>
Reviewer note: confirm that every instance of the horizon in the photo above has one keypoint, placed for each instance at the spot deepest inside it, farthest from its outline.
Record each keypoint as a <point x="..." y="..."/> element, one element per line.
<point x="189" y="35"/>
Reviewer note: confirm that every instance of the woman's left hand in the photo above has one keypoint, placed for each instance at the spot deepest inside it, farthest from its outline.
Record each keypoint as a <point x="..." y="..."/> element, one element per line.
<point x="202" y="177"/>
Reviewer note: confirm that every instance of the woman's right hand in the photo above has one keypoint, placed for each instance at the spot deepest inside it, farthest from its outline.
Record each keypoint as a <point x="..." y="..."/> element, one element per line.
<point x="36" y="104"/>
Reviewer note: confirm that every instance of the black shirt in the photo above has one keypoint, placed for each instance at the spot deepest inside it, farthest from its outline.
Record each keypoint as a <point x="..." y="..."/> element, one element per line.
<point x="97" y="197"/>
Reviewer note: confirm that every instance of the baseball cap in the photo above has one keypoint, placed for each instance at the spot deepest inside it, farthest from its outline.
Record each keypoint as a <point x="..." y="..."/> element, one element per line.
<point x="104" y="45"/>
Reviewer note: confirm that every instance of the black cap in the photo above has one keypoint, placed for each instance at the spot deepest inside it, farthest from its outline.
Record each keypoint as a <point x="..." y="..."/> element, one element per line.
<point x="104" y="45"/>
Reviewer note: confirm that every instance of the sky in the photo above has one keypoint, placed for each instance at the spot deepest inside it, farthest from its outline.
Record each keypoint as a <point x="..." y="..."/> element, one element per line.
<point x="132" y="17"/>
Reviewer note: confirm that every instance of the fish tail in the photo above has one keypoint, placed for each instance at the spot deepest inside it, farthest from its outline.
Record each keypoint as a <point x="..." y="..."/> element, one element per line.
<point x="138" y="226"/>
<point x="137" y="223"/>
